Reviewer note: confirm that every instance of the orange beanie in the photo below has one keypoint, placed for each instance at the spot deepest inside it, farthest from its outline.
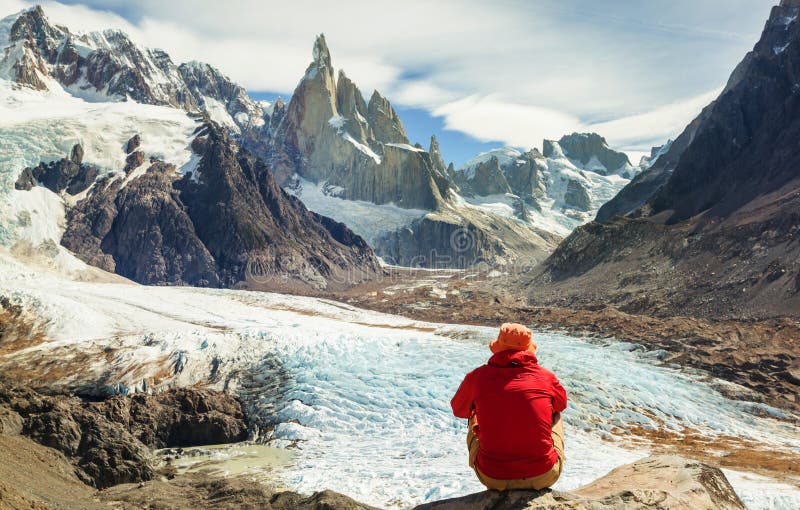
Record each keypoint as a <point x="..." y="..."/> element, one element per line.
<point x="513" y="337"/>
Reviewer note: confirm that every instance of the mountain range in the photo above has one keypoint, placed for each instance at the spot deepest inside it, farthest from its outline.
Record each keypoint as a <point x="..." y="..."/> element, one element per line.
<point x="343" y="157"/>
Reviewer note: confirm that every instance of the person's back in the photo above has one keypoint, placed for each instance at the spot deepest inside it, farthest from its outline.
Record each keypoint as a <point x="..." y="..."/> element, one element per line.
<point x="516" y="437"/>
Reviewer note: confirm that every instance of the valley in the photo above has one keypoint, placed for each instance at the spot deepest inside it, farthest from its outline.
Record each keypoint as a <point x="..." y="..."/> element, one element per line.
<point x="305" y="277"/>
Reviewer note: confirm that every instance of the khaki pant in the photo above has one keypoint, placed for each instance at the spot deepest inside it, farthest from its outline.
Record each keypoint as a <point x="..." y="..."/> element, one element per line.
<point x="536" y="482"/>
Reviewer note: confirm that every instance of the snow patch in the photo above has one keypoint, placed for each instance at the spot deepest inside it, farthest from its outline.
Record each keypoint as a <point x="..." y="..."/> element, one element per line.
<point x="370" y="221"/>
<point x="43" y="126"/>
<point x="337" y="122"/>
<point x="363" y="148"/>
<point x="219" y="113"/>
<point x="777" y="50"/>
<point x="405" y="147"/>
<point x="504" y="156"/>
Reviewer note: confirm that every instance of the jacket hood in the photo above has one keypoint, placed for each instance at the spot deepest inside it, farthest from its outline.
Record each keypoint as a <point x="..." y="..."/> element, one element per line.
<point x="509" y="358"/>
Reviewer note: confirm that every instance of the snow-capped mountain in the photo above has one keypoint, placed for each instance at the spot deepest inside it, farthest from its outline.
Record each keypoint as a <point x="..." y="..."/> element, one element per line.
<point x="329" y="133"/>
<point x="343" y="156"/>
<point x="557" y="189"/>
<point x="352" y="159"/>
<point x="112" y="152"/>
<point x="109" y="66"/>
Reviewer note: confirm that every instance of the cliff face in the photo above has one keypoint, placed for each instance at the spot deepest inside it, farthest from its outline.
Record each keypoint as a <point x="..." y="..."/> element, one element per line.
<point x="716" y="231"/>
<point x="225" y="223"/>
<point x="330" y="134"/>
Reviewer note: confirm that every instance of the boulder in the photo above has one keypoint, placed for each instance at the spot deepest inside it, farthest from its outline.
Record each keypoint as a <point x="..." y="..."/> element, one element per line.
<point x="660" y="482"/>
<point x="26" y="180"/>
<point x="76" y="156"/>
<point x="133" y="160"/>
<point x="66" y="174"/>
<point x="133" y="144"/>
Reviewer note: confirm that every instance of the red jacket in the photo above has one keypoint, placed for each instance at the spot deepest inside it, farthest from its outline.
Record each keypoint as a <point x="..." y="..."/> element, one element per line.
<point x="514" y="400"/>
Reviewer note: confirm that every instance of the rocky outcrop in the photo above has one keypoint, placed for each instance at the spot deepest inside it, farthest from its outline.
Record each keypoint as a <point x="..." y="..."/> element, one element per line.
<point x="387" y="125"/>
<point x="103" y="452"/>
<point x="577" y="196"/>
<point x="179" y="418"/>
<point x="329" y="134"/>
<point x="66" y="174"/>
<point x="590" y="151"/>
<point x="108" y="440"/>
<point x="204" y="491"/>
<point x="661" y="482"/>
<point x="207" y="84"/>
<point x="525" y="177"/>
<point x="227" y="223"/>
<point x="718" y="237"/>
<point x="437" y="160"/>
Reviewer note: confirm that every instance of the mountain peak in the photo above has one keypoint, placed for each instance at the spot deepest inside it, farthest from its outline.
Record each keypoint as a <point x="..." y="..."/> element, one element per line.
<point x="322" y="56"/>
<point x="33" y="24"/>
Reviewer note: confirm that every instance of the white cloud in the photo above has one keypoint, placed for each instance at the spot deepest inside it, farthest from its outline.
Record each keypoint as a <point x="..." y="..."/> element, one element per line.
<point x="653" y="127"/>
<point x="519" y="125"/>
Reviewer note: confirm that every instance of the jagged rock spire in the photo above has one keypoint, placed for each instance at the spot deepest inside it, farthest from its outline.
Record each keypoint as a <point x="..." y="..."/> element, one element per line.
<point x="436" y="155"/>
<point x="384" y="120"/>
<point x="322" y="56"/>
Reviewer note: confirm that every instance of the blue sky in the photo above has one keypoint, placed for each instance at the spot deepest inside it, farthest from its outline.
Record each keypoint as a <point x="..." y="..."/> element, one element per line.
<point x="476" y="73"/>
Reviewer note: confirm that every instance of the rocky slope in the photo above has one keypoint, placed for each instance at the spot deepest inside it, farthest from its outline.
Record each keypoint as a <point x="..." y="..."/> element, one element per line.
<point x="225" y="222"/>
<point x="719" y="236"/>
<point x="108" y="441"/>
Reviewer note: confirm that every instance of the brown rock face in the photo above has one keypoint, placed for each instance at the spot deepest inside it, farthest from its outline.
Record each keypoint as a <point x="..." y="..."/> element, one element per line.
<point x="134" y="143"/>
<point x="387" y="125"/>
<point x="108" y="441"/>
<point x="133" y="160"/>
<point x="436" y="156"/>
